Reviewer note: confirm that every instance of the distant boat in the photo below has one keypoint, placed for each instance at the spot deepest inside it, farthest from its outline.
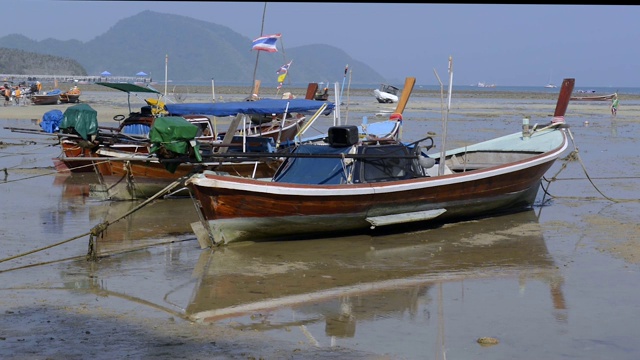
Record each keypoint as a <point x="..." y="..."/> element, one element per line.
<point x="48" y="98"/>
<point x="607" y="97"/>
<point x="314" y="92"/>
<point x="70" y="96"/>
<point x="483" y="85"/>
<point x="550" y="85"/>
<point x="386" y="93"/>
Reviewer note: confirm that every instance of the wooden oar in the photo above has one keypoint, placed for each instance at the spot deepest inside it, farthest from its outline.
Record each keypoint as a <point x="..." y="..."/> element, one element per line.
<point x="406" y="93"/>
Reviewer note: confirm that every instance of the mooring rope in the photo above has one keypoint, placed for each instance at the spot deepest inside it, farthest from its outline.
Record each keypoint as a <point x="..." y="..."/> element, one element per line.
<point x="97" y="230"/>
<point x="575" y="155"/>
<point x="64" y="171"/>
<point x="100" y="228"/>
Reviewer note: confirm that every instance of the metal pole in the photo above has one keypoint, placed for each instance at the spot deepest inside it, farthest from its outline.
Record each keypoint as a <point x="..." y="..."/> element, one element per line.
<point x="213" y="91"/>
<point x="166" y="70"/>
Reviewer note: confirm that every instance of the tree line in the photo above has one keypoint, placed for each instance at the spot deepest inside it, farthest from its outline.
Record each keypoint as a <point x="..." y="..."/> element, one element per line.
<point x="19" y="62"/>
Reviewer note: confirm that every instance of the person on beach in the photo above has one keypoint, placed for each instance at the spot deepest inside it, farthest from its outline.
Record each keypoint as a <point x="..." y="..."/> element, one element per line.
<point x="614" y="104"/>
<point x="17" y="95"/>
<point x="6" y="92"/>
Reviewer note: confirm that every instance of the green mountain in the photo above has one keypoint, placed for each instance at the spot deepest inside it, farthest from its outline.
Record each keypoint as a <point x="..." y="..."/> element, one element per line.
<point x="194" y="51"/>
<point x="13" y="61"/>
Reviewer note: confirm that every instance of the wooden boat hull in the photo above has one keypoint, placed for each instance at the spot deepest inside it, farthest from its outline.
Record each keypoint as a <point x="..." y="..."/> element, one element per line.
<point x="73" y="150"/>
<point x="45" y="99"/>
<point x="594" y="98"/>
<point x="241" y="209"/>
<point x="139" y="177"/>
<point x="69" y="98"/>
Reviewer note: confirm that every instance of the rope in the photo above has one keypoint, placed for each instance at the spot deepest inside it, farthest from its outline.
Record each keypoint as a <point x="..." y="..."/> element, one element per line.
<point x="574" y="155"/>
<point x="44" y="248"/>
<point x="24" y="178"/>
<point x="44" y="174"/>
<point x="99" y="229"/>
<point x="41" y="264"/>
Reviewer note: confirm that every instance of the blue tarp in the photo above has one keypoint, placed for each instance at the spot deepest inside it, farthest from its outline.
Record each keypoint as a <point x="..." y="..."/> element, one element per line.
<point x="54" y="92"/>
<point x="264" y="107"/>
<point x="51" y="121"/>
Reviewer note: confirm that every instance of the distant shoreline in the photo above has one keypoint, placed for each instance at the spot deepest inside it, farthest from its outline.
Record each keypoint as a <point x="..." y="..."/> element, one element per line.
<point x="495" y="93"/>
<point x="109" y="102"/>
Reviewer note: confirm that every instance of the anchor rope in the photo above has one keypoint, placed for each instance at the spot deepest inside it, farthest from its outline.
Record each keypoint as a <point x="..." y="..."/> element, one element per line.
<point x="43" y="174"/>
<point x="97" y="230"/>
<point x="575" y="155"/>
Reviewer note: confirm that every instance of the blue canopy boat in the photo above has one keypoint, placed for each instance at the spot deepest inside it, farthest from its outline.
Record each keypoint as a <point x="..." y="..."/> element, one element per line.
<point x="259" y="107"/>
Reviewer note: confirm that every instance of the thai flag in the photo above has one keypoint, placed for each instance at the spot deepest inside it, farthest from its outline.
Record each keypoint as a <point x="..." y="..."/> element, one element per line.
<point x="266" y="43"/>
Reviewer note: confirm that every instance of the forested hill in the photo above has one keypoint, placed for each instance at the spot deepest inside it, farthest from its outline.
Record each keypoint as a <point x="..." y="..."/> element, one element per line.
<point x="194" y="50"/>
<point x="14" y="61"/>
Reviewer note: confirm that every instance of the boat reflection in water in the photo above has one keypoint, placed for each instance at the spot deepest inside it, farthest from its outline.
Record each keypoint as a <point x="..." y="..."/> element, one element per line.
<point x="131" y="225"/>
<point x="273" y="285"/>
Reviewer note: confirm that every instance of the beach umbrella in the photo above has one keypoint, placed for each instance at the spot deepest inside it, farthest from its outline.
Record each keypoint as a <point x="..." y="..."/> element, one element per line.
<point x="141" y="73"/>
<point x="105" y="73"/>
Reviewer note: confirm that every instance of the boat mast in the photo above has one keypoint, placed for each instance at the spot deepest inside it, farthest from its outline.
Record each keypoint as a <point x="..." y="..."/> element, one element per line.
<point x="255" y="68"/>
<point x="445" y="116"/>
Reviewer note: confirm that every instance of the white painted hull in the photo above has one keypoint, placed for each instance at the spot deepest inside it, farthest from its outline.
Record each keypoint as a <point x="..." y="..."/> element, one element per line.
<point x="384" y="97"/>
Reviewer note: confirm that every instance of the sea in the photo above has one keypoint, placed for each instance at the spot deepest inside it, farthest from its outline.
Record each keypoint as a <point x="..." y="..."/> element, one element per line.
<point x="430" y="87"/>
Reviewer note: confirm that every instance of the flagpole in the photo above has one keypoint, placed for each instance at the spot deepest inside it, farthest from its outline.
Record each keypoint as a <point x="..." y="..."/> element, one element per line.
<point x="346" y="117"/>
<point x="166" y="66"/>
<point x="284" y="58"/>
<point x="255" y="68"/>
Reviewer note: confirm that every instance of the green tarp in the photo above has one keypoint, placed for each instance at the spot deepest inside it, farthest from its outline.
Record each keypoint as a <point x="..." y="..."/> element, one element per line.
<point x="82" y="118"/>
<point x="173" y="133"/>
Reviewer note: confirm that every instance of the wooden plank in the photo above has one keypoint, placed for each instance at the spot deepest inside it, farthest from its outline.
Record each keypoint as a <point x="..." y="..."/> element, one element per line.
<point x="233" y="127"/>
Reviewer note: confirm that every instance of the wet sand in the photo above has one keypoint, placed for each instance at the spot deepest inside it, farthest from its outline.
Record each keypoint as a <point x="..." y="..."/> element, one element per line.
<point x="558" y="281"/>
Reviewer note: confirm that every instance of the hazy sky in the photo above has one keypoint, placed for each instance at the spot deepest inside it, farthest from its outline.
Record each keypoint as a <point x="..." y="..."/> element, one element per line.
<point x="526" y="45"/>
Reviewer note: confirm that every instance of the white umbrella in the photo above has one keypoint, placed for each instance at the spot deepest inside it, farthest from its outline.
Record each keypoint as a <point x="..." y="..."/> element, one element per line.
<point x="141" y="73"/>
<point x="105" y="73"/>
